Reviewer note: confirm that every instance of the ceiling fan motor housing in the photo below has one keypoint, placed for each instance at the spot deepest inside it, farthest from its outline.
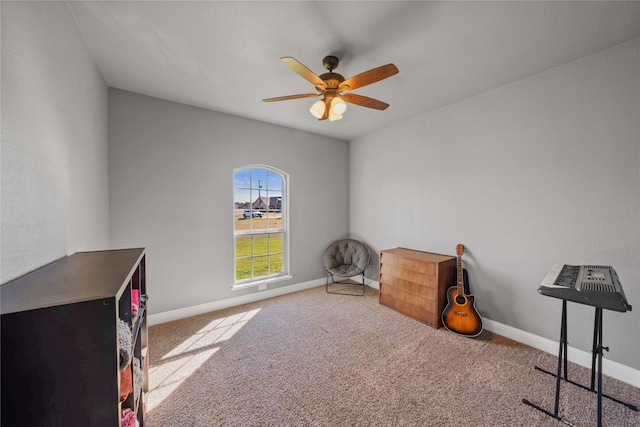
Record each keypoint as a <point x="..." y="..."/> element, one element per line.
<point x="332" y="79"/>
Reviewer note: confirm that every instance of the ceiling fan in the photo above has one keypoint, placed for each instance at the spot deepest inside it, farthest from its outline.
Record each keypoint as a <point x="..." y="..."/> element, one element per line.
<point x="331" y="85"/>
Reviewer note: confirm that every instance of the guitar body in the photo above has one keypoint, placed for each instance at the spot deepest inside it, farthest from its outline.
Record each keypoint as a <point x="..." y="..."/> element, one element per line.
<point x="460" y="314"/>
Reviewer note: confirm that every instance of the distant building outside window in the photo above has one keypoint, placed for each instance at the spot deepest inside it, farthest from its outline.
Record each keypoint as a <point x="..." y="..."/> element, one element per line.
<point x="259" y="225"/>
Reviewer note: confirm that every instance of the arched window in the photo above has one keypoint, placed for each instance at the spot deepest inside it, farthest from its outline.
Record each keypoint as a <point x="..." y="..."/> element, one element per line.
<point x="260" y="225"/>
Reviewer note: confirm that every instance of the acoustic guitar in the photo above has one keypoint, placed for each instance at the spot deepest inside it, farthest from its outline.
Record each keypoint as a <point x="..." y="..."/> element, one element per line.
<point x="460" y="314"/>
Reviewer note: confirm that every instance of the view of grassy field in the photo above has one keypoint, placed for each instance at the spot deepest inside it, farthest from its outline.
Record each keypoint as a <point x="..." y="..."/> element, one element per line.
<point x="258" y="255"/>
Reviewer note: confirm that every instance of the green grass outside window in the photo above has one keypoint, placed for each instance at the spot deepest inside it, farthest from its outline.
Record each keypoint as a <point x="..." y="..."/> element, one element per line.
<point x="258" y="256"/>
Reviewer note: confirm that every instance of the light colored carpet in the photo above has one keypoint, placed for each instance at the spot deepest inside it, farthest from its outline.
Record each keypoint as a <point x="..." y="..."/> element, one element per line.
<point x="313" y="359"/>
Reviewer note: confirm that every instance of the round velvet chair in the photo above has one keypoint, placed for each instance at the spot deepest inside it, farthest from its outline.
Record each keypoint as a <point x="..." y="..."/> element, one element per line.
<point x="344" y="259"/>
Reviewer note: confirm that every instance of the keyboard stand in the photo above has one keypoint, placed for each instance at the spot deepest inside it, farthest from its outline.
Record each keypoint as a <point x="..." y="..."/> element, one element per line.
<point x="597" y="351"/>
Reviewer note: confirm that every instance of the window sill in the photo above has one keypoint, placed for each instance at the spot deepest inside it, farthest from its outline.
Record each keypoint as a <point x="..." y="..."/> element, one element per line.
<point x="255" y="283"/>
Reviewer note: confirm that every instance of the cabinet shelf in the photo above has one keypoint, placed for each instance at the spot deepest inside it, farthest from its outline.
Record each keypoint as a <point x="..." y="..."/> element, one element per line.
<point x="60" y="346"/>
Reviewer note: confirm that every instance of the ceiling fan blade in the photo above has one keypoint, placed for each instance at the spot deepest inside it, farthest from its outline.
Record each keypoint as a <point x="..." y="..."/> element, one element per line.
<point x="284" y="98"/>
<point x="368" y="77"/>
<point x="304" y="72"/>
<point x="364" y="101"/>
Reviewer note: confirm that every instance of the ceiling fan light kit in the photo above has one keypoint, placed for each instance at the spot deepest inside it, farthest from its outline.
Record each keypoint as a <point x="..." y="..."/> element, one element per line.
<point x="331" y="85"/>
<point x="338" y="106"/>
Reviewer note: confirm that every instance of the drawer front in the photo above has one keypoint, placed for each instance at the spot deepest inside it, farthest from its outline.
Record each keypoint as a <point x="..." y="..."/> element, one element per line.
<point x="423" y="279"/>
<point x="419" y="312"/>
<point x="395" y="286"/>
<point x="414" y="299"/>
<point x="404" y="263"/>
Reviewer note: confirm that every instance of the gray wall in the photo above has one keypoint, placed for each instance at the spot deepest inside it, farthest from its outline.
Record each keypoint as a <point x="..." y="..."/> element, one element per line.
<point x="541" y="171"/>
<point x="171" y="178"/>
<point x="545" y="170"/>
<point x="54" y="140"/>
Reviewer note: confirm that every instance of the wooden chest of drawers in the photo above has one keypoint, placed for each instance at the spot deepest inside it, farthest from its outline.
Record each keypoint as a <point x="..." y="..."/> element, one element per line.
<point x="415" y="283"/>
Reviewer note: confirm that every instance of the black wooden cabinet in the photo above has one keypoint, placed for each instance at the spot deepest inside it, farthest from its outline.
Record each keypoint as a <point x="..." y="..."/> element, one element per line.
<point x="60" y="354"/>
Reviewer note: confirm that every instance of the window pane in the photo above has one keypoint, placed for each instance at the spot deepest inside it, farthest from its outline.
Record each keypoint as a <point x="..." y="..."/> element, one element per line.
<point x="242" y="200"/>
<point x="244" y="268"/>
<point x="274" y="221"/>
<point x="275" y="266"/>
<point x="274" y="182"/>
<point x="275" y="243"/>
<point x="258" y="220"/>
<point x="261" y="266"/>
<point x="274" y="215"/>
<point x="242" y="220"/>
<point x="261" y="244"/>
<point x="243" y="246"/>
<point x="275" y="200"/>
<point x="242" y="179"/>
<point x="258" y="179"/>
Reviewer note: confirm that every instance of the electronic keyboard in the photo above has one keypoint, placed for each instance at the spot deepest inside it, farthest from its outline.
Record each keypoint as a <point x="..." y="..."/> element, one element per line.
<point x="596" y="285"/>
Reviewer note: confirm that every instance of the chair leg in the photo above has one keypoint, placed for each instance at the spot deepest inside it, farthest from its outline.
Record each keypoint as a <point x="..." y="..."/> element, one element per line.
<point x="344" y="283"/>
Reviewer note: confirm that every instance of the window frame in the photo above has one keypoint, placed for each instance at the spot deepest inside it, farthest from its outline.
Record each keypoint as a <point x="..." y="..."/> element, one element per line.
<point x="284" y="229"/>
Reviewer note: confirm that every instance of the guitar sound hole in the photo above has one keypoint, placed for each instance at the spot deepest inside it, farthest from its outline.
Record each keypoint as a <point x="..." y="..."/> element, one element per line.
<point x="460" y="300"/>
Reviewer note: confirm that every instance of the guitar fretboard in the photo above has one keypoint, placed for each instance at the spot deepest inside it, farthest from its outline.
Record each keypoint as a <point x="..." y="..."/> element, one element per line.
<point x="460" y="287"/>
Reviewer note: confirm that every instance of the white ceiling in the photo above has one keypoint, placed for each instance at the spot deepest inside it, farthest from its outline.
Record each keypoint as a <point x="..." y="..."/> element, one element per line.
<point x="224" y="55"/>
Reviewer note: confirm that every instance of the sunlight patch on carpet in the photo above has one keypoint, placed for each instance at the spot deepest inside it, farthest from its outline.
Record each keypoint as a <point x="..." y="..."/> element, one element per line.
<point x="184" y="360"/>
<point x="172" y="375"/>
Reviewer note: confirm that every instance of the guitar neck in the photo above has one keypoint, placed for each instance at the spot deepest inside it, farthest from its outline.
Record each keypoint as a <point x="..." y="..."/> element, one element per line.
<point x="460" y="281"/>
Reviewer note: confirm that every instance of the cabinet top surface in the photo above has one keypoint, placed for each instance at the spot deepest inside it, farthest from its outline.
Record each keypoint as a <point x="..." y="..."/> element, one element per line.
<point x="83" y="276"/>
<point x="418" y="255"/>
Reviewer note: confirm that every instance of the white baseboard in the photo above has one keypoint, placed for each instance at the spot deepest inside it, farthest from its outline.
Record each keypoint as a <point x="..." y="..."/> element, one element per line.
<point x="610" y="368"/>
<point x="181" y="313"/>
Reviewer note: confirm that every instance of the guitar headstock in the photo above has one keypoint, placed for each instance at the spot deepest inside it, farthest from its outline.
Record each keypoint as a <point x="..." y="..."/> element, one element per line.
<point x="459" y="249"/>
